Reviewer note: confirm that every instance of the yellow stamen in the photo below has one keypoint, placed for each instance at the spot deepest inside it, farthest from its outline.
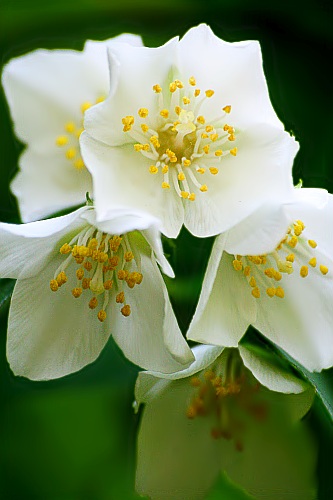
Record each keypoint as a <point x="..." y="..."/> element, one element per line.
<point x="323" y="269"/>
<point x="304" y="271"/>
<point x="226" y="109"/>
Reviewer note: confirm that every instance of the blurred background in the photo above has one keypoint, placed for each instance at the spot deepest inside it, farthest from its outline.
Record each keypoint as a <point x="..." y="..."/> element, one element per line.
<point x="74" y="438"/>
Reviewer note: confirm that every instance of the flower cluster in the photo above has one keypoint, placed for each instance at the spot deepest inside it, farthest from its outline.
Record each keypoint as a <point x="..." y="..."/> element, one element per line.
<point x="161" y="138"/>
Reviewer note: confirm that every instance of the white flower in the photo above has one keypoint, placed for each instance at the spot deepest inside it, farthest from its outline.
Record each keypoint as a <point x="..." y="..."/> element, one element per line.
<point x="48" y="92"/>
<point x="286" y="293"/>
<point x="77" y="284"/>
<point x="188" y="134"/>
<point x="217" y="416"/>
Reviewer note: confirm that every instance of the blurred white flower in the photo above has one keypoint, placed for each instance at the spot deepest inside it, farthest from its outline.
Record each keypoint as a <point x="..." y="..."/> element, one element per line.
<point x="188" y="133"/>
<point x="48" y="92"/>
<point x="78" y="282"/>
<point x="217" y="416"/>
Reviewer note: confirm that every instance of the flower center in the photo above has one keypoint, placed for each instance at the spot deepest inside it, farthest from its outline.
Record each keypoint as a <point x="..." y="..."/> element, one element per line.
<point x="293" y="250"/>
<point x="179" y="144"/>
<point x="104" y="264"/>
<point x="230" y="395"/>
<point x="69" y="140"/>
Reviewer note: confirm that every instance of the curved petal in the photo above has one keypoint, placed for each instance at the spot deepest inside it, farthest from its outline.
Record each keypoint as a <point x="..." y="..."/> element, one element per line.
<point x="225" y="308"/>
<point x="26" y="248"/>
<point x="60" y="337"/>
<point x="176" y="457"/>
<point x="233" y="70"/>
<point x="44" y="191"/>
<point x="150" y="336"/>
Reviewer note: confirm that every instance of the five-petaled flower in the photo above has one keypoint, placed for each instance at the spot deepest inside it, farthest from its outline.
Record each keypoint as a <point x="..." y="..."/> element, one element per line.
<point x="188" y="134"/>
<point x="216" y="416"/>
<point x="78" y="282"/>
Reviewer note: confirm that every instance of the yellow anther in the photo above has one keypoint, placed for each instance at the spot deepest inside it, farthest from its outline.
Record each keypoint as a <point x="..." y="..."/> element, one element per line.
<point x="279" y="292"/>
<point x="128" y="256"/>
<point x="231" y="137"/>
<point x="238" y="266"/>
<point x="271" y="291"/>
<point x="206" y="149"/>
<point x="80" y="273"/>
<point x="86" y="283"/>
<point x="209" y="374"/>
<point x="122" y="274"/>
<point x="323" y="269"/>
<point x="61" y="278"/>
<point x="226" y="109"/>
<point x="203" y="188"/>
<point x="85" y="105"/>
<point x="54" y="285"/>
<point x="209" y="93"/>
<point x="108" y="284"/>
<point x="247" y="271"/>
<point x="312" y="243"/>
<point x="293" y="242"/>
<point x="144" y="127"/>
<point x="195" y="381"/>
<point x="165" y="185"/>
<point x="191" y="412"/>
<point x="213" y="137"/>
<point x="179" y="84"/>
<point x="61" y="140"/>
<point x="99" y="99"/>
<point x="277" y="276"/>
<point x="66" y="248"/>
<point x="165" y="169"/>
<point x="187" y="163"/>
<point x="143" y="112"/>
<point x="201" y="170"/>
<point x="186" y="100"/>
<point x="256" y="292"/>
<point x="164" y="113"/>
<point x="87" y="265"/>
<point x="209" y="128"/>
<point x="304" y="271"/>
<point x="154" y="141"/>
<point x="173" y="159"/>
<point x="218" y="152"/>
<point x="101" y="315"/>
<point x="233" y="151"/>
<point x="157" y="88"/>
<point x="204" y="135"/>
<point x="120" y="298"/>
<point x="177" y="111"/>
<point x="213" y="170"/>
<point x="181" y="176"/>
<point x="138" y="147"/>
<point x="127" y="121"/>
<point x="197" y="92"/>
<point x="191" y="197"/>
<point x="298" y="229"/>
<point x="201" y="120"/>
<point x="192" y="81"/>
<point x="313" y="262"/>
<point x="93" y="303"/>
<point x="216" y="382"/>
<point x="70" y="127"/>
<point x="145" y="147"/>
<point x="125" y="310"/>
<point x="290" y="257"/>
<point x="184" y="194"/>
<point x="252" y="282"/>
<point x="153" y="169"/>
<point x="172" y="87"/>
<point x="79" y="164"/>
<point x="76" y="292"/>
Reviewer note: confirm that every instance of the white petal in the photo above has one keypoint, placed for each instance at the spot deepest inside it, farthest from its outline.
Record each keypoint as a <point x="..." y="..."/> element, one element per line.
<point x="45" y="186"/>
<point x="225" y="308"/>
<point x="25" y="248"/>
<point x="60" y="337"/>
<point x="150" y="336"/>
<point x="176" y="458"/>
<point x="233" y="70"/>
<point x="134" y="72"/>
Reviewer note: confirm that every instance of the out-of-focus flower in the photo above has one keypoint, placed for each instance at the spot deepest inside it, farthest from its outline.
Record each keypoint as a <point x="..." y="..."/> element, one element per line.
<point x="78" y="282"/>
<point x="217" y="416"/>
<point x="48" y="92"/>
<point x="286" y="294"/>
<point x="188" y="133"/>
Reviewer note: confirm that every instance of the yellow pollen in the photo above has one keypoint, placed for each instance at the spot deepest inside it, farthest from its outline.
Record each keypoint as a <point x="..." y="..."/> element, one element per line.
<point x="209" y="128"/>
<point x="179" y="84"/>
<point x="157" y="88"/>
<point x="181" y="176"/>
<point x="298" y="230"/>
<point x="191" y="197"/>
<point x="164" y="113"/>
<point x="213" y="137"/>
<point x="218" y="152"/>
<point x="154" y="141"/>
<point x="313" y="262"/>
<point x="66" y="248"/>
<point x="86" y="283"/>
<point x="238" y="266"/>
<point x="80" y="273"/>
<point x="271" y="291"/>
<point x="290" y="257"/>
<point x="247" y="271"/>
<point x="197" y="92"/>
<point x="172" y="87"/>
<point x="87" y="265"/>
<point x="226" y="109"/>
<point x="206" y="149"/>
<point x="99" y="99"/>
<point x="122" y="274"/>
<point x="312" y="243"/>
<point x="153" y="169"/>
<point x="61" y="140"/>
<point x="204" y="188"/>
<point x="120" y="298"/>
<point x="54" y="285"/>
<point x="128" y="256"/>
<point x="209" y="374"/>
<point x="304" y="271"/>
<point x="186" y="100"/>
<point x="184" y="194"/>
<point x="76" y="292"/>
<point x="231" y="137"/>
<point x="144" y="127"/>
<point x="165" y="185"/>
<point x="187" y="163"/>
<point x="125" y="310"/>
<point x="209" y="93"/>
<point x="93" y="303"/>
<point x="252" y="282"/>
<point x="192" y="81"/>
<point x="323" y="269"/>
<point x="233" y="151"/>
<point x="143" y="112"/>
<point x="61" y="278"/>
<point x="108" y="284"/>
<point x="195" y="381"/>
<point x="101" y="315"/>
<point x="85" y="105"/>
<point x="165" y="169"/>
<point x="177" y="111"/>
<point x="201" y="120"/>
<point x="70" y="127"/>
<point x="279" y="292"/>
<point x="191" y="412"/>
<point x="256" y="292"/>
<point x="213" y="170"/>
<point x="293" y="242"/>
<point x="79" y="164"/>
<point x="138" y="147"/>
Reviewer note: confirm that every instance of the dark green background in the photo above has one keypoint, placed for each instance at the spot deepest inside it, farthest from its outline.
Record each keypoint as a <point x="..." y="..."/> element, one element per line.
<point x="73" y="439"/>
